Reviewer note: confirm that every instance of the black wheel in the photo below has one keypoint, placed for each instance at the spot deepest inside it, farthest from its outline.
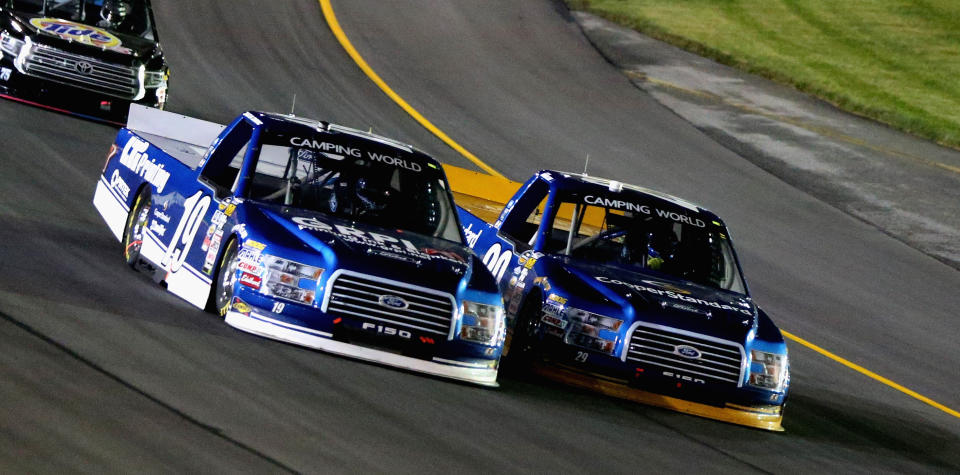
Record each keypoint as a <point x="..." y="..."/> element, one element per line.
<point x="133" y="231"/>
<point x="222" y="291"/>
<point x="523" y="345"/>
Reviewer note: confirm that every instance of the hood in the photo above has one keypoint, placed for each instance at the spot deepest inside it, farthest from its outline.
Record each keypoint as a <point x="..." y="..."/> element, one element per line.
<point x="388" y="253"/>
<point x="87" y="39"/>
<point x="668" y="301"/>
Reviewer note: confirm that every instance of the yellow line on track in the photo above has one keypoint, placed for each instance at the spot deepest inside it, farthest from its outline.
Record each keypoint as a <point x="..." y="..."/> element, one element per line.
<point x="345" y="43"/>
<point x="871" y="374"/>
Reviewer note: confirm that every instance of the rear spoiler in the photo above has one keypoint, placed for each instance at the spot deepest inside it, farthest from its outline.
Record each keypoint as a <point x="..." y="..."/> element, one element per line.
<point x="147" y="120"/>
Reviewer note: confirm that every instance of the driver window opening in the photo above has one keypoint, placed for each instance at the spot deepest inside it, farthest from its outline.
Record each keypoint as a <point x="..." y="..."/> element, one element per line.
<point x="223" y="164"/>
<point x="524" y="220"/>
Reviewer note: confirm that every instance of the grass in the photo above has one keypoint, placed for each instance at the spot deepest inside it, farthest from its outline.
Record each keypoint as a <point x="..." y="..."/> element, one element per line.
<point x="895" y="61"/>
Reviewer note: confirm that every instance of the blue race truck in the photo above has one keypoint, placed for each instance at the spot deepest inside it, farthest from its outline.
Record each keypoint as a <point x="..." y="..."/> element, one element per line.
<point x="633" y="293"/>
<point x="306" y="232"/>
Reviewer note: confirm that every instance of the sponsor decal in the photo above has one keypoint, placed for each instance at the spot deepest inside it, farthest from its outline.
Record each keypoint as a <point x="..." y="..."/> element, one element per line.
<point x="514" y="306"/>
<point x="687" y="351"/>
<point x="681" y="218"/>
<point x="218" y="219"/>
<point x="240" y="229"/>
<point x="79" y="33"/>
<point x="394" y="302"/>
<point x="553" y="308"/>
<point x="240" y="306"/>
<point x="385" y="330"/>
<point x="395" y="161"/>
<point x="118" y="185"/>
<point x="251" y="268"/>
<point x="208" y="237"/>
<point x="471" y="236"/>
<point x="250" y="280"/>
<point x="552" y="320"/>
<point x="542" y="281"/>
<point x="340" y="150"/>
<point x="666" y="286"/>
<point x="160" y="215"/>
<point x="674" y="295"/>
<point x="255" y="244"/>
<point x="376" y="243"/>
<point x="554" y="331"/>
<point x="211" y="256"/>
<point x="248" y="255"/>
<point x="394" y="255"/>
<point x="230" y="209"/>
<point x="157" y="228"/>
<point x="557" y="298"/>
<point x="5" y="74"/>
<point x="616" y="204"/>
<point x="134" y="157"/>
<point x="645" y="209"/>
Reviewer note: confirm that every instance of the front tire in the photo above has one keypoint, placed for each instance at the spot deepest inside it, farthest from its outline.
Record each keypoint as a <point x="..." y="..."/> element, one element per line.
<point x="526" y="335"/>
<point x="226" y="280"/>
<point x="134" y="230"/>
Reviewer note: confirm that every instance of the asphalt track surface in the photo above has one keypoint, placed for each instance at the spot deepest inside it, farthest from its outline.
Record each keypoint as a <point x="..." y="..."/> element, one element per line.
<point x="102" y="370"/>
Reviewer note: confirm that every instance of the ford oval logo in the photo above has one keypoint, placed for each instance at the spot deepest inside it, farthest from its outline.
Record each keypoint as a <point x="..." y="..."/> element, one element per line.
<point x="687" y="351"/>
<point x="392" y="301"/>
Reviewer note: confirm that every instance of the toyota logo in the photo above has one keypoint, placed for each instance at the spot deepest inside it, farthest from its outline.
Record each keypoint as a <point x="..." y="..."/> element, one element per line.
<point x="687" y="351"/>
<point x="84" y="67"/>
<point x="392" y="301"/>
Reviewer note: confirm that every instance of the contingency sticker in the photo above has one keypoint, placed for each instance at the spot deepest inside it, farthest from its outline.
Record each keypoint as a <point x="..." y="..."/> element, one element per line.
<point x="85" y="34"/>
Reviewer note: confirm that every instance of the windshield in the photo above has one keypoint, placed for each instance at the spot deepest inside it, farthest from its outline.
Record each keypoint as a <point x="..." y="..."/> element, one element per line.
<point x="351" y="186"/>
<point x="129" y="17"/>
<point x="648" y="239"/>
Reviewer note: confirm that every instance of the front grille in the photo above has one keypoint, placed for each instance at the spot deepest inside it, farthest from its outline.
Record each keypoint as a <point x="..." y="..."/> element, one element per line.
<point x="720" y="361"/>
<point x="83" y="72"/>
<point x="359" y="295"/>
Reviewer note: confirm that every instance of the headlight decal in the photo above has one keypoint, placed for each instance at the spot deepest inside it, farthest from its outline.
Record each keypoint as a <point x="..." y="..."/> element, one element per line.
<point x="768" y="370"/>
<point x="592" y="331"/>
<point x="287" y="279"/>
<point x="481" y="323"/>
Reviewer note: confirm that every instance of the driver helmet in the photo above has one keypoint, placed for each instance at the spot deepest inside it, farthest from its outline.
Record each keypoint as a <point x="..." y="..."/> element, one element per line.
<point x="661" y="247"/>
<point x="112" y="13"/>
<point x="369" y="197"/>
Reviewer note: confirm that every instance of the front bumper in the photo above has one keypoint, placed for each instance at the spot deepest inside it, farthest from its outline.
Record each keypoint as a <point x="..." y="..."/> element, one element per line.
<point x="259" y="324"/>
<point x="767" y="417"/>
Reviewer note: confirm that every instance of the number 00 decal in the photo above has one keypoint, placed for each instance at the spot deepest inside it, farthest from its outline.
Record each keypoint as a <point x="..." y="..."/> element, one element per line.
<point x="194" y="209"/>
<point x="497" y="261"/>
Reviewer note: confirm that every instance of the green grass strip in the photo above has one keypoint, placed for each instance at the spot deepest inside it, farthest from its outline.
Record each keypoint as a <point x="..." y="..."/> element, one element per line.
<point x="895" y="61"/>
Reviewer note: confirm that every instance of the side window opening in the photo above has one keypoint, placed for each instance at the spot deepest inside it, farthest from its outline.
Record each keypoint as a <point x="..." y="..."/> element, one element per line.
<point x="524" y="220"/>
<point x="223" y="164"/>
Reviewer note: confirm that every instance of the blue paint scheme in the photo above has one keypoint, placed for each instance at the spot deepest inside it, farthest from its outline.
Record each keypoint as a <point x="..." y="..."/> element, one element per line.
<point x="311" y="238"/>
<point x="557" y="285"/>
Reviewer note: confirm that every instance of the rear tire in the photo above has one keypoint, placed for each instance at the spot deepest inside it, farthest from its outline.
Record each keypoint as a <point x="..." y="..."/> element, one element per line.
<point x="133" y="231"/>
<point x="222" y="290"/>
